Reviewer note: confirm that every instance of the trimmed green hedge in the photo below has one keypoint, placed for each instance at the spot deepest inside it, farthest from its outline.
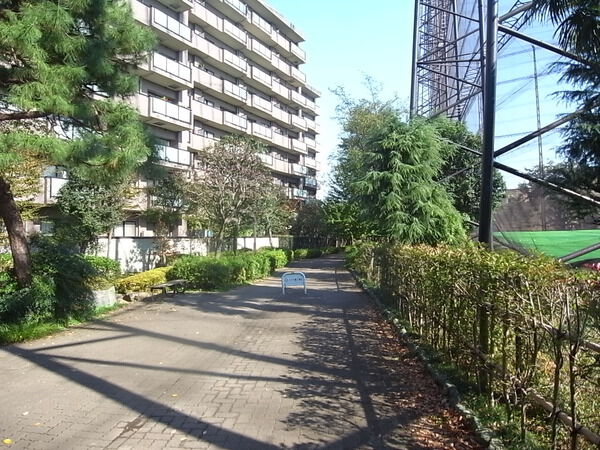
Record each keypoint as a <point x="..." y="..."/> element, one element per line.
<point x="142" y="281"/>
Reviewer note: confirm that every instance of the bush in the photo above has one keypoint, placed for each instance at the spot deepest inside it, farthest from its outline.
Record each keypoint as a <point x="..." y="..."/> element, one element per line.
<point x="314" y="253"/>
<point x="106" y="271"/>
<point x="142" y="281"/>
<point x="301" y="253"/>
<point x="35" y="303"/>
<point x="277" y="258"/>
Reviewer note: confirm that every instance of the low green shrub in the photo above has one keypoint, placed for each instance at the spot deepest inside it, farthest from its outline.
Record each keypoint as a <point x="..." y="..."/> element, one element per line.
<point x="142" y="281"/>
<point x="314" y="253"/>
<point x="301" y="253"/>
<point x="106" y="271"/>
<point x="278" y="258"/>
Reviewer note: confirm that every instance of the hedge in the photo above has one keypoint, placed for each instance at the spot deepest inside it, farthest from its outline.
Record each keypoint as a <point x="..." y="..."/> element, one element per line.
<point x="522" y="329"/>
<point x="142" y="281"/>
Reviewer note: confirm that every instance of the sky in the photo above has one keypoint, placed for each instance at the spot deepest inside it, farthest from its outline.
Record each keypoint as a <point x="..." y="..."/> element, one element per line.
<point x="346" y="41"/>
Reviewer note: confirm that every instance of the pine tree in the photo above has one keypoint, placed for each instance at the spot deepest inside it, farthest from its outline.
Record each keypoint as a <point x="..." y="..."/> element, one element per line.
<point x="65" y="64"/>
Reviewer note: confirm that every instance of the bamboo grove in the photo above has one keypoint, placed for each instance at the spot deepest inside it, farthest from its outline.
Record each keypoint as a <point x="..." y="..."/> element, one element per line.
<point x="523" y="330"/>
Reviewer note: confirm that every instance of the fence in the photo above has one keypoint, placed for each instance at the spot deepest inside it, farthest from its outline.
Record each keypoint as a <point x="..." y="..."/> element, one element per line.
<point x="521" y="330"/>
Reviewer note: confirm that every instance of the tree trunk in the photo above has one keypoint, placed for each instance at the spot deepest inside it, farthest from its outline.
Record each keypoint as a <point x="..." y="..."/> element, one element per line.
<point x="270" y="232"/>
<point x="19" y="246"/>
<point x="254" y="232"/>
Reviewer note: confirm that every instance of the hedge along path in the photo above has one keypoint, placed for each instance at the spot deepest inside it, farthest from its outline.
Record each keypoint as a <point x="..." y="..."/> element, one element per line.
<point x="524" y="328"/>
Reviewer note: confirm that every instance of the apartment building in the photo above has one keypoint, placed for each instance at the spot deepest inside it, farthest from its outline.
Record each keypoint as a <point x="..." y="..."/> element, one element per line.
<point x="221" y="67"/>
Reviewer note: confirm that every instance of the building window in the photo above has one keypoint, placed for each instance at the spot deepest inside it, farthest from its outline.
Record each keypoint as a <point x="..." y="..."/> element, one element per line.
<point x="129" y="229"/>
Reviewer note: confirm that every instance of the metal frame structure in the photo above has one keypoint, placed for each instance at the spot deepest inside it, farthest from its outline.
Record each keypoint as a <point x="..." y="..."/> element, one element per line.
<point x="455" y="47"/>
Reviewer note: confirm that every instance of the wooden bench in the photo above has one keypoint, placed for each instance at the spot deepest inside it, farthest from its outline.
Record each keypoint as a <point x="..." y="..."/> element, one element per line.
<point x="176" y="286"/>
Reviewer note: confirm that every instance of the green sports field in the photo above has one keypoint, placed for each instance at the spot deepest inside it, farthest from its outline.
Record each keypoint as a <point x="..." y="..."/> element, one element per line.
<point x="555" y="243"/>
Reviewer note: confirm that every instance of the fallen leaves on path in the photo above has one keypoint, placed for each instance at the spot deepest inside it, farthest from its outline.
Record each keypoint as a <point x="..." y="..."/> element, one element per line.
<point x="435" y="425"/>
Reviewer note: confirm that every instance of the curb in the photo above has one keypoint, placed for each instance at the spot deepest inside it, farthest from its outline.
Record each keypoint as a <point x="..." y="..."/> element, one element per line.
<point x="483" y="435"/>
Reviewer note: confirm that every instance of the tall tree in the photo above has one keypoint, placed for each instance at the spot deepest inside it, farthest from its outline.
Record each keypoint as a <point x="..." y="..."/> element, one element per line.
<point x="578" y="31"/>
<point x="400" y="191"/>
<point x="57" y="56"/>
<point x="231" y="182"/>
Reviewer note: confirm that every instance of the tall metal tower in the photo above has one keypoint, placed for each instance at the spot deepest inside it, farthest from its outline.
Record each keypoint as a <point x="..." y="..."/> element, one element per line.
<point x="455" y="44"/>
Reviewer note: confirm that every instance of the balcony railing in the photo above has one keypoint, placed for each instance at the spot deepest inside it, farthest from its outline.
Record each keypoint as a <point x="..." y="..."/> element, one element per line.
<point x="311" y="124"/>
<point x="298" y="75"/>
<point x="261" y="49"/>
<point x="266" y="159"/>
<point x="261" y="23"/>
<point x="281" y="141"/>
<point x="310" y="162"/>
<point x="207" y="112"/>
<point x="280" y="40"/>
<point x="298" y="98"/>
<point x="262" y="131"/>
<point x="281" y="115"/>
<point x="235" y="90"/>
<point x="299" y="169"/>
<point x="261" y="103"/>
<point x="208" y="48"/>
<point x="238" y="5"/>
<point x="310" y="142"/>
<point x="232" y="30"/>
<point x="209" y="80"/>
<point x="298" y="146"/>
<point x="235" y="61"/>
<point x="235" y="121"/>
<point x="174" y="155"/>
<point x="300" y="193"/>
<point x="170" y="25"/>
<point x="311" y="182"/>
<point x="199" y="142"/>
<point x="166" y="109"/>
<point x="301" y="54"/>
<point x="298" y="121"/>
<point x="172" y="67"/>
<point x="261" y="76"/>
<point x="207" y="16"/>
<point x="281" y="65"/>
<point x="281" y="90"/>
<point x="281" y="166"/>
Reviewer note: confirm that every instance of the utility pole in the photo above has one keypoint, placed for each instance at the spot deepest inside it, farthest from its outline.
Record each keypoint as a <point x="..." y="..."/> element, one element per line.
<point x="539" y="140"/>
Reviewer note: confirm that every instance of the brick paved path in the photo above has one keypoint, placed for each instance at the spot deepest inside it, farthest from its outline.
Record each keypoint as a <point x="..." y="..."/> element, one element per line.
<point x="245" y="369"/>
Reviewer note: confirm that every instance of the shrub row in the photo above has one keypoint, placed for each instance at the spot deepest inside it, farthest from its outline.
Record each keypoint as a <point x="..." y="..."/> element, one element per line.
<point x="515" y="326"/>
<point x="142" y="281"/>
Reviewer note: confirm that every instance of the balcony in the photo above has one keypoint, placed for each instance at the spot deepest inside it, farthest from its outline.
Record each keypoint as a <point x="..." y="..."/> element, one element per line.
<point x="206" y="17"/>
<point x="235" y="90"/>
<point x="281" y="65"/>
<point x="299" y="146"/>
<point x="298" y="122"/>
<point x="310" y="142"/>
<point x="208" y="80"/>
<point x="260" y="23"/>
<point x="281" y="90"/>
<point x="310" y="104"/>
<point x="262" y="131"/>
<point x="237" y="35"/>
<point x="164" y="113"/>
<point x="234" y="121"/>
<point x="261" y="76"/>
<point x="236" y="62"/>
<point x="299" y="193"/>
<point x="298" y="75"/>
<point x="298" y="52"/>
<point x="260" y="49"/>
<point x="281" y="41"/>
<point x="261" y="103"/>
<point x="280" y="165"/>
<point x="311" y="182"/>
<point x="281" y="115"/>
<point x="266" y="159"/>
<point x="281" y="141"/>
<point x="310" y="162"/>
<point x="171" y="30"/>
<point x="231" y="8"/>
<point x="311" y="124"/>
<point x="208" y="48"/>
<point x="178" y="5"/>
<point x="298" y="98"/>
<point x="199" y="142"/>
<point x="168" y="72"/>
<point x="207" y="112"/>
<point x="174" y="155"/>
<point x="238" y="6"/>
<point x="298" y="169"/>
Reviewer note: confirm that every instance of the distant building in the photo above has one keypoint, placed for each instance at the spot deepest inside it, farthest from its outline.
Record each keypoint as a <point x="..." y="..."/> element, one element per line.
<point x="221" y="67"/>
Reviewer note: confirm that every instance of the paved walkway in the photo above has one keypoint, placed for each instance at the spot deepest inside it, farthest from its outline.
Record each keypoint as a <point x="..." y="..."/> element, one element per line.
<point x="245" y="369"/>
